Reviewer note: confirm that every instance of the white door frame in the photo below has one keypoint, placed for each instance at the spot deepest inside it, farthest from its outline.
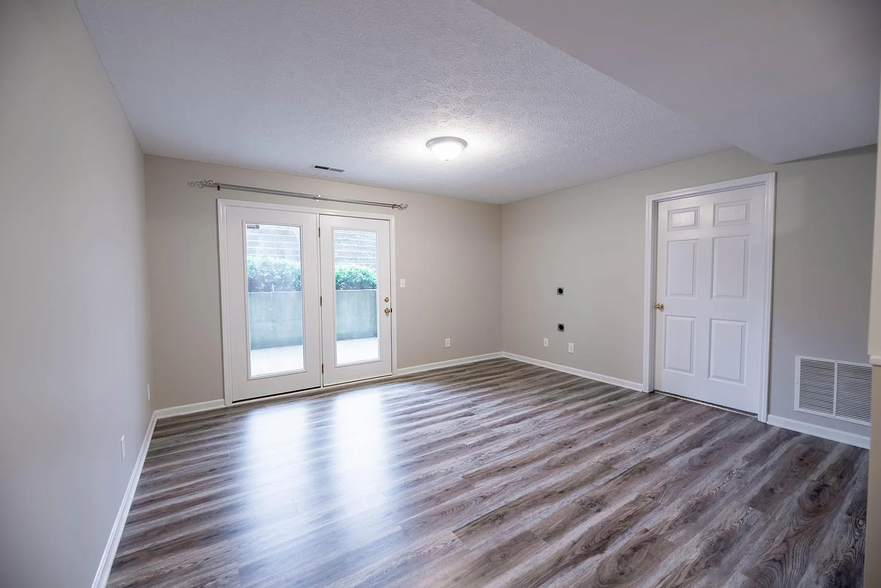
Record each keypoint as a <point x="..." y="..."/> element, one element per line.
<point x="222" y="206"/>
<point x="651" y="259"/>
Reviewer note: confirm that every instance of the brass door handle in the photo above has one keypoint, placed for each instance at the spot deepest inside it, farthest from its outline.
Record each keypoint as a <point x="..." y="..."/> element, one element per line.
<point x="659" y="306"/>
<point x="388" y="311"/>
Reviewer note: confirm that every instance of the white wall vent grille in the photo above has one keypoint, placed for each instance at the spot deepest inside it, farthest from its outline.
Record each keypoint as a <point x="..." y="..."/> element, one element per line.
<point x="836" y="389"/>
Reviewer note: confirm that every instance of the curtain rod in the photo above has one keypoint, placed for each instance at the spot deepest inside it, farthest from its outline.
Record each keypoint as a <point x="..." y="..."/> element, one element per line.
<point x="316" y="197"/>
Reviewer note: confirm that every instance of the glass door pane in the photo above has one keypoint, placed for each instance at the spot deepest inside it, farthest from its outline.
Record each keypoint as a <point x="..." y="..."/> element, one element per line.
<point x="275" y="299"/>
<point x="270" y="300"/>
<point x="355" y="255"/>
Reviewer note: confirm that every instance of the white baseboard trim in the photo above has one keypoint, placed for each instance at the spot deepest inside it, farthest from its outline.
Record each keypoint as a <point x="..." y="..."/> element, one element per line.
<point x="575" y="371"/>
<point x="109" y="554"/>
<point x="819" y="431"/>
<point x="449" y="363"/>
<point x="189" y="408"/>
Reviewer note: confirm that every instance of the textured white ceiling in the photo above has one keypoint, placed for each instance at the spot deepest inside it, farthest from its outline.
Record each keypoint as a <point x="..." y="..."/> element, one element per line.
<point x="781" y="79"/>
<point x="363" y="84"/>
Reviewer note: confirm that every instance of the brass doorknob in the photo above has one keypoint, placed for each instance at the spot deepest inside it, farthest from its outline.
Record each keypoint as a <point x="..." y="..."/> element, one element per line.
<point x="388" y="311"/>
<point x="659" y="306"/>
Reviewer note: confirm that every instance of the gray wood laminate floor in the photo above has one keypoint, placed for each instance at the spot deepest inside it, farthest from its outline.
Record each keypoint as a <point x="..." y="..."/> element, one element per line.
<point x="492" y="474"/>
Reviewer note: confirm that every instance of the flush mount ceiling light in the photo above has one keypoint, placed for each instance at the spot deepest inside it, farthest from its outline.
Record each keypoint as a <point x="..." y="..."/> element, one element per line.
<point x="447" y="148"/>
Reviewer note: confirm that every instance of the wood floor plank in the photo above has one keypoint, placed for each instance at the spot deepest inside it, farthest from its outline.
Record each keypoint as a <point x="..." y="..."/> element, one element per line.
<point x="495" y="474"/>
<point x="716" y="550"/>
<point x="844" y="542"/>
<point x="788" y="555"/>
<point x="798" y="463"/>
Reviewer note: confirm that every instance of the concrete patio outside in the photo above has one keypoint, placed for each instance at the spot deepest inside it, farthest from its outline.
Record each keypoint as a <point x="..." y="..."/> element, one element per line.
<point x="274" y="360"/>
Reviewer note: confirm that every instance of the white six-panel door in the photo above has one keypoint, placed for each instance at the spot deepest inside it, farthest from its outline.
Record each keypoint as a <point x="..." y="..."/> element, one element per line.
<point x="710" y="289"/>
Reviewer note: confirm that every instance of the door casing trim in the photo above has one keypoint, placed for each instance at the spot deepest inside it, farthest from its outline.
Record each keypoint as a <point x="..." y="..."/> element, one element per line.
<point x="651" y="233"/>
<point x="223" y="205"/>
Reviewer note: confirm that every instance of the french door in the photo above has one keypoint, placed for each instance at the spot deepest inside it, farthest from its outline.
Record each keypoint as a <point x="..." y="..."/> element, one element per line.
<point x="356" y="298"/>
<point x="302" y="310"/>
<point x="273" y="291"/>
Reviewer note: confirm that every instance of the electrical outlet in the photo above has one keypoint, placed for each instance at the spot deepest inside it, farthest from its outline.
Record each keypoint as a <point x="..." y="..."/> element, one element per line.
<point x="546" y="341"/>
<point x="122" y="448"/>
<point x="572" y="348"/>
<point x="447" y="342"/>
<point x="403" y="283"/>
<point x="148" y="391"/>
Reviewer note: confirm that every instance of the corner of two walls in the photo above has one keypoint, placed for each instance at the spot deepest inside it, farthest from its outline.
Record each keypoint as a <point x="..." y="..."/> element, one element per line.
<point x="590" y="240"/>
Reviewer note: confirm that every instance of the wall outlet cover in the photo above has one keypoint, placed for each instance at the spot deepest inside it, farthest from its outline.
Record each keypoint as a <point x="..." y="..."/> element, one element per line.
<point x="572" y="348"/>
<point x="446" y="342"/>
<point x="403" y="283"/>
<point x="545" y="341"/>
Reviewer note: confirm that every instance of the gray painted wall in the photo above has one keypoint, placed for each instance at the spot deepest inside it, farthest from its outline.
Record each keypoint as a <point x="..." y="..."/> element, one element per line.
<point x="873" y="523"/>
<point x="590" y="239"/>
<point x="448" y="250"/>
<point x="74" y="361"/>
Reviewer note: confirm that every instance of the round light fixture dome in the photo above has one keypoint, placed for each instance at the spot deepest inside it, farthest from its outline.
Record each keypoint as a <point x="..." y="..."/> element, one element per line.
<point x="447" y="148"/>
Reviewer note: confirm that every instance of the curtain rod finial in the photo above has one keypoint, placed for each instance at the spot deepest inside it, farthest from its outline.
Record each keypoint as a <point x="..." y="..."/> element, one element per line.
<point x="204" y="184"/>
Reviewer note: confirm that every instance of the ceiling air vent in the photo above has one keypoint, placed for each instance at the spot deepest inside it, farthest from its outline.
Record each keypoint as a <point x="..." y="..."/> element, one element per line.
<point x="326" y="168"/>
<point x="837" y="389"/>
